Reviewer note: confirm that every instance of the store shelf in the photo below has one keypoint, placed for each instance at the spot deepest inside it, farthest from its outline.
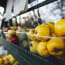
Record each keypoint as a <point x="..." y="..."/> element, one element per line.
<point x="39" y="5"/>
<point x="23" y="56"/>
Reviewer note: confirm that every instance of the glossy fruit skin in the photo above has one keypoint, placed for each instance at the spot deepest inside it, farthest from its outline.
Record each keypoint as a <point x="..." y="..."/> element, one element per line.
<point x="5" y="59"/>
<point x="16" y="63"/>
<point x="14" y="39"/>
<point x="31" y="34"/>
<point x="42" y="30"/>
<point x="1" y="61"/>
<point x="60" y="28"/>
<point x="11" y="32"/>
<point x="9" y="36"/>
<point x="11" y="59"/>
<point x="53" y="34"/>
<point x="42" y="49"/>
<point x="51" y="25"/>
<point x="33" y="46"/>
<point x="23" y="35"/>
<point x="7" y="29"/>
<point x="26" y="44"/>
<point x="17" y="32"/>
<point x="39" y="26"/>
<point x="55" y="46"/>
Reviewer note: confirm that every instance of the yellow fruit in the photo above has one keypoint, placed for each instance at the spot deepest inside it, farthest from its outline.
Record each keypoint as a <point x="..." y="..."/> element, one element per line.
<point x="39" y="26"/>
<point x="59" y="35"/>
<point x="50" y="22"/>
<point x="52" y="25"/>
<point x="5" y="60"/>
<point x="12" y="28"/>
<point x="43" y="23"/>
<point x="1" y="61"/>
<point x="16" y="63"/>
<point x="42" y="30"/>
<point x="42" y="49"/>
<point x="17" y="33"/>
<point x="9" y="36"/>
<point x="11" y="59"/>
<point x="11" y="32"/>
<point x="31" y="34"/>
<point x="60" y="28"/>
<point x="53" y="34"/>
<point x="33" y="46"/>
<point x="55" y="46"/>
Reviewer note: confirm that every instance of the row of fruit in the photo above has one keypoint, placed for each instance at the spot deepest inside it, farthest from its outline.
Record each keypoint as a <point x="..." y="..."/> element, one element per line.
<point x="8" y="60"/>
<point x="41" y="43"/>
<point x="46" y="38"/>
<point x="12" y="34"/>
<point x="49" y="29"/>
<point x="52" y="47"/>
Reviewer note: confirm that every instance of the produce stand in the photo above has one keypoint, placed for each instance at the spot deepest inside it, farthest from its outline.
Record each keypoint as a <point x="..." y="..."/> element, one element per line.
<point x="24" y="56"/>
<point x="27" y="58"/>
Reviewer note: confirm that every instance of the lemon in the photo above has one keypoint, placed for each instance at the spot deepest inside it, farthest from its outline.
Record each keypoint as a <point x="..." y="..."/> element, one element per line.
<point x="16" y="63"/>
<point x="11" y="59"/>
<point x="42" y="30"/>
<point x="52" y="25"/>
<point x="33" y="46"/>
<point x="1" y="61"/>
<point x="60" y="28"/>
<point x="5" y="60"/>
<point x="11" y="32"/>
<point x="55" y="46"/>
<point x="32" y="34"/>
<point x="42" y="49"/>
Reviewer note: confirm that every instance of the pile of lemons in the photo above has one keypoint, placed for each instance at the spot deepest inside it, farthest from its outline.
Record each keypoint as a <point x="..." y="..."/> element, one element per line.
<point x="46" y="38"/>
<point x="8" y="60"/>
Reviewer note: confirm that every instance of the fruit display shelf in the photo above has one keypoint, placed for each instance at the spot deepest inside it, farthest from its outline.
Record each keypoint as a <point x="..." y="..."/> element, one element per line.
<point x="26" y="58"/>
<point x="38" y="45"/>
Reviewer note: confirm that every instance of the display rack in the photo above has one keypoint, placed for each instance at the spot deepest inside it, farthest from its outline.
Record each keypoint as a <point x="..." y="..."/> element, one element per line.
<point x="24" y="56"/>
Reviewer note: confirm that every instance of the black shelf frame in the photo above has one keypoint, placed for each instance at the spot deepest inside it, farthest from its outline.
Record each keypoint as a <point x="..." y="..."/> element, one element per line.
<point x="40" y="5"/>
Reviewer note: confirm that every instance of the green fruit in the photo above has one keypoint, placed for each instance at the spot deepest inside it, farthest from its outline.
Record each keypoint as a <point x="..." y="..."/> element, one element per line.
<point x="22" y="35"/>
<point x="33" y="46"/>
<point x="23" y="30"/>
<point x="26" y="44"/>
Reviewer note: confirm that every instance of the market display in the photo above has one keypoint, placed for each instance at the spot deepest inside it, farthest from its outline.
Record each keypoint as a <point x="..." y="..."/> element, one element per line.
<point x="8" y="60"/>
<point x="12" y="34"/>
<point x="45" y="39"/>
<point x="48" y="39"/>
<point x="33" y="37"/>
